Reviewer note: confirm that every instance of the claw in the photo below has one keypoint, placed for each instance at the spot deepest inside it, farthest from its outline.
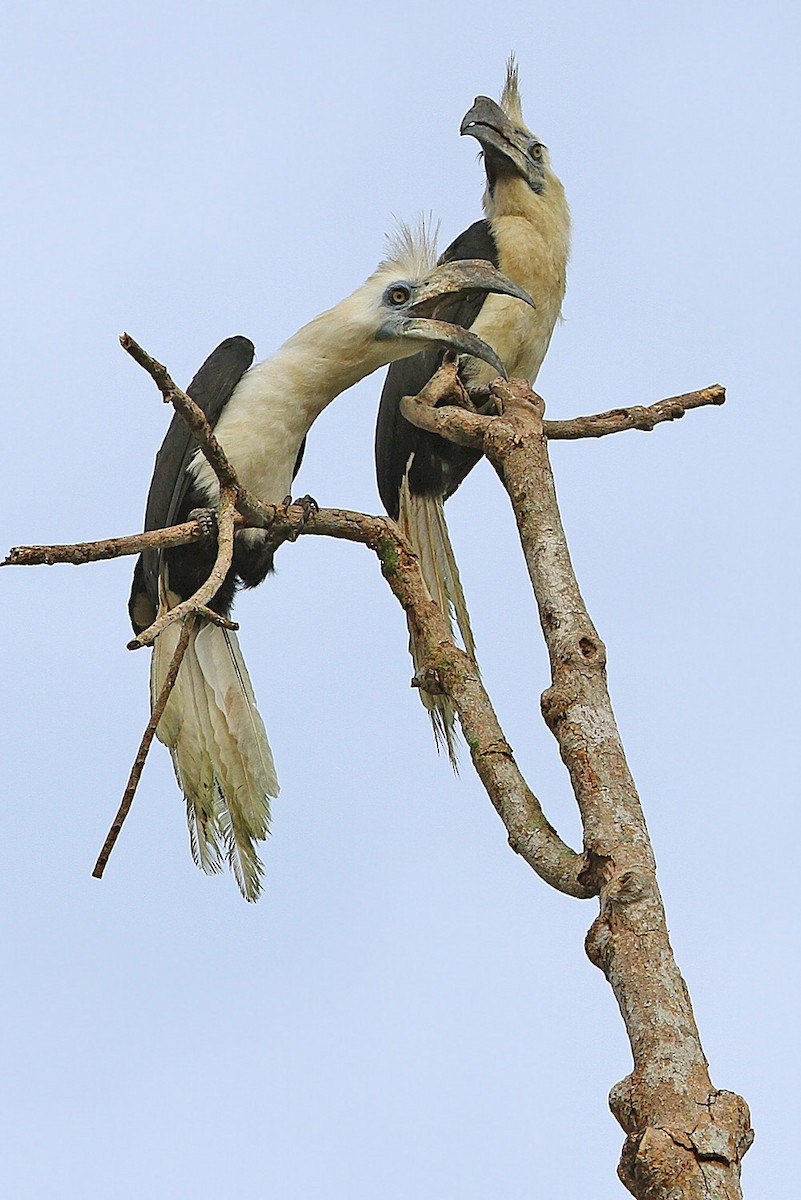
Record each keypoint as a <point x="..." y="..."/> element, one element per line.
<point x="206" y="519"/>
<point x="310" y="508"/>
<point x="309" y="505"/>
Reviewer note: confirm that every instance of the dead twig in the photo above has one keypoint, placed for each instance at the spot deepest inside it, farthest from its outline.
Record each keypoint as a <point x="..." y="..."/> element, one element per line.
<point x="529" y="831"/>
<point x="467" y="430"/>
<point x="249" y="506"/>
<point x="618" y="420"/>
<point x="83" y="552"/>
<point x="668" y="1106"/>
<point x="144" y="747"/>
<point x="208" y="590"/>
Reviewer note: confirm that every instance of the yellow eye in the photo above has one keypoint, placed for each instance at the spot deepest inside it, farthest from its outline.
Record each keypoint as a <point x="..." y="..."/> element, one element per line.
<point x="535" y="150"/>
<point x="398" y="294"/>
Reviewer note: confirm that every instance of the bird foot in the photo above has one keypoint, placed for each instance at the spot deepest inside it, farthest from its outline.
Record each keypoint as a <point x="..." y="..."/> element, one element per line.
<point x="310" y="509"/>
<point x="487" y="401"/>
<point x="444" y="386"/>
<point x="206" y="519"/>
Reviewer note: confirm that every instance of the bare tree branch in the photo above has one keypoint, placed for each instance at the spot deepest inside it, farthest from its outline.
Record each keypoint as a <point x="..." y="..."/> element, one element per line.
<point x="468" y="428"/>
<point x="684" y="1137"/>
<point x="530" y="833"/>
<point x="448" y="668"/>
<point x="144" y="746"/>
<point x="84" y="552"/>
<point x="617" y="420"/>
<point x="194" y="417"/>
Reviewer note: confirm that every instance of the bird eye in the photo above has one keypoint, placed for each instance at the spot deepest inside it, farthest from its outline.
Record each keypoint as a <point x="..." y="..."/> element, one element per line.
<point x="398" y="294"/>
<point x="535" y="150"/>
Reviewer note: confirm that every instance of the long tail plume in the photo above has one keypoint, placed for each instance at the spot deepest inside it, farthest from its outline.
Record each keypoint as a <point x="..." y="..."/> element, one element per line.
<point x="219" y="750"/>
<point x="422" y="519"/>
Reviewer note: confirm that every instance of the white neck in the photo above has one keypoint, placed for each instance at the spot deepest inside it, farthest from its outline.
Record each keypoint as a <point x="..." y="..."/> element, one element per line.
<point x="276" y="402"/>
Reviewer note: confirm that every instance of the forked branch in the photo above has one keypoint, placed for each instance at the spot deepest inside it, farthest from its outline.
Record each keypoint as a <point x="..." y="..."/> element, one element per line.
<point x="159" y="705"/>
<point x="672" y="1115"/>
<point x="445" y="665"/>
<point x="684" y="1138"/>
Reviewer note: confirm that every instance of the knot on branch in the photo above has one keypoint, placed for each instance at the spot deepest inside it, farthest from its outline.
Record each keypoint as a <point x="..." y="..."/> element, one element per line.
<point x="619" y="890"/>
<point x="598" y="943"/>
<point x="622" y="1104"/>
<point x="727" y="1134"/>
<point x="515" y="393"/>
<point x="666" y="1160"/>
<point x="555" y="702"/>
<point x="657" y="1163"/>
<point x="627" y="887"/>
<point x="575" y="648"/>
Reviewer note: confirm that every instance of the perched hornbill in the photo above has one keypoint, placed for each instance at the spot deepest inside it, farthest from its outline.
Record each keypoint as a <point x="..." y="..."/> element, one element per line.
<point x="526" y="234"/>
<point x="261" y="415"/>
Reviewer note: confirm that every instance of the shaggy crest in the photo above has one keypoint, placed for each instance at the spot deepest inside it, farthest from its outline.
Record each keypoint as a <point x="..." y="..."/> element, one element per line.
<point x="412" y="249"/>
<point x="510" y="96"/>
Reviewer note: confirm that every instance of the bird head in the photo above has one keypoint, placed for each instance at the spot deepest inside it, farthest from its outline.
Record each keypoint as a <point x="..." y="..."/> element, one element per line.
<point x="515" y="160"/>
<point x="408" y="290"/>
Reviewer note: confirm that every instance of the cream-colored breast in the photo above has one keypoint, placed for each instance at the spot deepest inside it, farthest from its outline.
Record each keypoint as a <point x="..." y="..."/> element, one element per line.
<point x="534" y="256"/>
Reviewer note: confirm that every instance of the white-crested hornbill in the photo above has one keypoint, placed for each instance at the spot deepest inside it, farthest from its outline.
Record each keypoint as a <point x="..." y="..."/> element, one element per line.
<point x="526" y="234"/>
<point x="261" y="415"/>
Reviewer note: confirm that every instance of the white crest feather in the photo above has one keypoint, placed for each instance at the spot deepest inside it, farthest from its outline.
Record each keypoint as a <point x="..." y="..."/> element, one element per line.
<point x="511" y="103"/>
<point x="412" y="248"/>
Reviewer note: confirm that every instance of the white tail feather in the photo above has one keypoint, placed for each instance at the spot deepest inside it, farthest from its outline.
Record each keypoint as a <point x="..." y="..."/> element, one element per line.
<point x="219" y="749"/>
<point x="244" y="762"/>
<point x="422" y="519"/>
<point x="194" y="768"/>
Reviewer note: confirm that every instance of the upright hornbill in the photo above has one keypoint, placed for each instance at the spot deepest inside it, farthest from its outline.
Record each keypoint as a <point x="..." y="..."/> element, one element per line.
<point x="526" y="234"/>
<point x="261" y="415"/>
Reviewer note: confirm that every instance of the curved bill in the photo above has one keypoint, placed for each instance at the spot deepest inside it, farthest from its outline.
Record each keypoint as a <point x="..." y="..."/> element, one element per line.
<point x="427" y="330"/>
<point x="457" y="279"/>
<point x="503" y="142"/>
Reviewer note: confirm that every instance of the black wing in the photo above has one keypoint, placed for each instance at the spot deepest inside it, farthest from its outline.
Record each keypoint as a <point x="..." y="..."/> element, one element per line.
<point x="439" y="466"/>
<point x="211" y="389"/>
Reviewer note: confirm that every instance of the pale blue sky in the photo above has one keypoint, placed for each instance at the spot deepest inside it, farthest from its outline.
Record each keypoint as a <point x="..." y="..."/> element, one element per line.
<point x="408" y="1011"/>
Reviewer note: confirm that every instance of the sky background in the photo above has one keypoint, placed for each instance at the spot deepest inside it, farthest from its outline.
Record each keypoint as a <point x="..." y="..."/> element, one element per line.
<point x="408" y="1011"/>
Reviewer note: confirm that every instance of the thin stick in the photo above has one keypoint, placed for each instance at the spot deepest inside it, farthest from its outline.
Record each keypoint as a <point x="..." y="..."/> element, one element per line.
<point x="144" y="747"/>
<point x="207" y="590"/>
<point x="645" y="417"/>
<point x="670" y="1111"/>
<point x="468" y="429"/>
<point x="195" y="418"/>
<point x="83" y="552"/>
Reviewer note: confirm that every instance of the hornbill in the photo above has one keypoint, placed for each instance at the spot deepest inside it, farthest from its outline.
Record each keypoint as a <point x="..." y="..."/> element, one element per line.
<point x="261" y="415"/>
<point x="526" y="234"/>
